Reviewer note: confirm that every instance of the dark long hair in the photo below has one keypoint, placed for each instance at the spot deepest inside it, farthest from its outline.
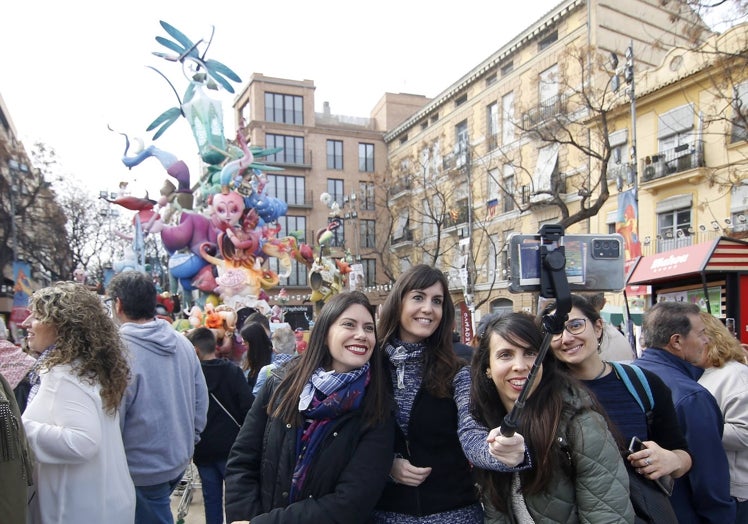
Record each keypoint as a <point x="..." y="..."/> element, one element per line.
<point x="440" y="362"/>
<point x="284" y="403"/>
<point x="539" y="421"/>
<point x="259" y="348"/>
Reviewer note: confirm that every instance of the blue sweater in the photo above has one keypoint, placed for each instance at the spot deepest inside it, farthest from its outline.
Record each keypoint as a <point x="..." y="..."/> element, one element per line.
<point x="703" y="494"/>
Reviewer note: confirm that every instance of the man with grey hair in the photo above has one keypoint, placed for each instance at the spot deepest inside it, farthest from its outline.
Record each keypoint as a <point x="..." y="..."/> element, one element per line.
<point x="675" y="340"/>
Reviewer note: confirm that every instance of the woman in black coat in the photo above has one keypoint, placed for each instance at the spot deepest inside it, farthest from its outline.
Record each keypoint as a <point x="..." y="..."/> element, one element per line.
<point x="317" y="444"/>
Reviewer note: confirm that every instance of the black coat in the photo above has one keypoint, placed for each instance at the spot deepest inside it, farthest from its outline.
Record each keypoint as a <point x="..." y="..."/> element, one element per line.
<point x="226" y="382"/>
<point x="432" y="442"/>
<point x="344" y="480"/>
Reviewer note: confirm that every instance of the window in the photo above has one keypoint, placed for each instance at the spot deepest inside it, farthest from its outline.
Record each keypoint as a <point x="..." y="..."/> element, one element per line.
<point x="673" y="219"/>
<point x="292" y="152"/>
<point x="286" y="109"/>
<point x="244" y="112"/>
<point x="493" y="184"/>
<point x="508" y="188"/>
<point x="675" y="127"/>
<point x="740" y="113"/>
<point x="619" y="163"/>
<point x="507" y="118"/>
<point x="546" y="42"/>
<point x="460" y="100"/>
<point x="548" y="86"/>
<point x="367" y="234"/>
<point x="432" y="213"/>
<point x="545" y="168"/>
<point x="402" y="226"/>
<point x="461" y="137"/>
<point x="491" y="79"/>
<point x="370" y="271"/>
<point x="507" y="68"/>
<point x="366" y="158"/>
<point x="335" y="154"/>
<point x="336" y="191"/>
<point x="739" y="206"/>
<point x="366" y="196"/>
<point x="290" y="189"/>
<point x="292" y="224"/>
<point x="338" y="233"/>
<point x="492" y="124"/>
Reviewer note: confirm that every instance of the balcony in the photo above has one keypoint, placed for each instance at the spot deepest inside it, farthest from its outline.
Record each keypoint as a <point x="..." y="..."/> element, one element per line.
<point x="671" y="161"/>
<point x="407" y="236"/>
<point x="455" y="219"/>
<point x="305" y="201"/>
<point x="652" y="245"/>
<point x="545" y="112"/>
<point x="400" y="186"/>
<point x="624" y="170"/>
<point x="454" y="161"/>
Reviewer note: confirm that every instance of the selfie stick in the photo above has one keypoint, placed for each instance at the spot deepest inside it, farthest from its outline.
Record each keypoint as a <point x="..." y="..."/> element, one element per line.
<point x="553" y="283"/>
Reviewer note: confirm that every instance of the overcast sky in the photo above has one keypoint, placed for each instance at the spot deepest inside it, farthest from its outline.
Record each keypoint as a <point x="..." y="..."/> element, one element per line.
<point x="71" y="68"/>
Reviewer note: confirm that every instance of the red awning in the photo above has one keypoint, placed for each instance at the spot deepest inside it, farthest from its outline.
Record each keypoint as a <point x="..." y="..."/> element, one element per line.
<point x="719" y="256"/>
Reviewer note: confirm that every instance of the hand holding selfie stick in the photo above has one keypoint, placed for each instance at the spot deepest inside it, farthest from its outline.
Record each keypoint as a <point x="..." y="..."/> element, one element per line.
<point x="553" y="283"/>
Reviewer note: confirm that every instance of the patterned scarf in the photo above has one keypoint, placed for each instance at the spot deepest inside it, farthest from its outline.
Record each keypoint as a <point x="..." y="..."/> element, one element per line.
<point x="34" y="375"/>
<point x="332" y="395"/>
<point x="400" y="352"/>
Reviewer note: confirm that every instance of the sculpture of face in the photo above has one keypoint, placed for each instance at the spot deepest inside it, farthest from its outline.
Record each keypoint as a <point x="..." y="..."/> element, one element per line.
<point x="228" y="207"/>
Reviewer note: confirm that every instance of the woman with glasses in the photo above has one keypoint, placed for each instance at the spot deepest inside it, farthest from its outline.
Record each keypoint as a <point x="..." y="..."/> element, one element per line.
<point x="578" y="347"/>
<point x="72" y="418"/>
<point x="578" y="474"/>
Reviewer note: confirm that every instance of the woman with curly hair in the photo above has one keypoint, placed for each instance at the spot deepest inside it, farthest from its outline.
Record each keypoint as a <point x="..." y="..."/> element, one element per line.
<point x="72" y="419"/>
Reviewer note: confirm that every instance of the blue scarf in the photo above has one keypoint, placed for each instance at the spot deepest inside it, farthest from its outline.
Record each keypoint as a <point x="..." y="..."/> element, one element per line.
<point x="333" y="394"/>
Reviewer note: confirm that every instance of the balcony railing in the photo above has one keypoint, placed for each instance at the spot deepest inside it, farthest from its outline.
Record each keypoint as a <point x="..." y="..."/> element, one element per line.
<point x="407" y="236"/>
<point x="545" y="111"/>
<point x="653" y="245"/>
<point x="460" y="217"/>
<point x="400" y="185"/>
<point x="676" y="160"/>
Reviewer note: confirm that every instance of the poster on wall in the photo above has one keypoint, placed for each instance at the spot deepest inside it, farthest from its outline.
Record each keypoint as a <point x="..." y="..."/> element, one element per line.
<point x="627" y="223"/>
<point x="696" y="296"/>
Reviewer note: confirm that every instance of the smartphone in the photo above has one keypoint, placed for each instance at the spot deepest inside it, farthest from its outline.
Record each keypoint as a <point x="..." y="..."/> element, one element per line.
<point x="635" y="444"/>
<point x="664" y="483"/>
<point x="593" y="262"/>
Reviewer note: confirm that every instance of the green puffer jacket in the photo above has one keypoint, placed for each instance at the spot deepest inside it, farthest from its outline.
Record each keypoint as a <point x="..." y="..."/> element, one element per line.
<point x="598" y="489"/>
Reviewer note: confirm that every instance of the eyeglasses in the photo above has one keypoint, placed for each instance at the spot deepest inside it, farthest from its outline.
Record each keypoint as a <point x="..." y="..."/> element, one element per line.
<point x="575" y="327"/>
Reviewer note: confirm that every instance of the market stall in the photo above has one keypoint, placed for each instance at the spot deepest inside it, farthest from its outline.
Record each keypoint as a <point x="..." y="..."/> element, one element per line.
<point x="713" y="275"/>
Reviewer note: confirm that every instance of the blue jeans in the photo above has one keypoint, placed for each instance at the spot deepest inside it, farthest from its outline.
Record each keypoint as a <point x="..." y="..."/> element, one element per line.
<point x="742" y="515"/>
<point x="211" y="477"/>
<point x="152" y="504"/>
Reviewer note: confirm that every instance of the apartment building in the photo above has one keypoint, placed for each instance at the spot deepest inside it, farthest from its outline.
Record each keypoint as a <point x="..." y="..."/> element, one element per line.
<point x="514" y="144"/>
<point x="342" y="156"/>
<point x="692" y="165"/>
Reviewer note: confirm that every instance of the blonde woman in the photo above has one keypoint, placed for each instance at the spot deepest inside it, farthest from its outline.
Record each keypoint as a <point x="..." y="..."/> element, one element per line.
<point x="726" y="377"/>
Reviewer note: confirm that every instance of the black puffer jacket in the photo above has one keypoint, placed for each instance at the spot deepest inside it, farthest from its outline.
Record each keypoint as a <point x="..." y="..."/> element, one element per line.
<point x="344" y="481"/>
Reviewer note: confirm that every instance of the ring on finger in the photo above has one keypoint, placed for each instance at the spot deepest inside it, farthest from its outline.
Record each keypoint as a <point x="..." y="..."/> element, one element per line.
<point x="647" y="461"/>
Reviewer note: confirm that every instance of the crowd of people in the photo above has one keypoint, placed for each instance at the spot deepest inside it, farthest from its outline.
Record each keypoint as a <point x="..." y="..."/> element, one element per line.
<point x="379" y="420"/>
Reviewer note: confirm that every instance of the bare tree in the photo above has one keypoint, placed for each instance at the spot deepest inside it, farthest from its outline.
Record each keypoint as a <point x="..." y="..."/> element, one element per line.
<point x="32" y="221"/>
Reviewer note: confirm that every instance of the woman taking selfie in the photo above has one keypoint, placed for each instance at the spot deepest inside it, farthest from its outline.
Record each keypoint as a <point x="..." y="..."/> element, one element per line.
<point x="578" y="474"/>
<point x="316" y="445"/>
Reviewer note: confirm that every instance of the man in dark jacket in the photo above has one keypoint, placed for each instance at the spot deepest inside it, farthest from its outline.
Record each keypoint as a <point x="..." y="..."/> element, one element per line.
<point x="674" y="335"/>
<point x="230" y="400"/>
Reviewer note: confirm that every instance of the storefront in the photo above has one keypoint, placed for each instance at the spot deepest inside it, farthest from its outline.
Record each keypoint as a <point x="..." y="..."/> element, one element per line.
<point x="713" y="275"/>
